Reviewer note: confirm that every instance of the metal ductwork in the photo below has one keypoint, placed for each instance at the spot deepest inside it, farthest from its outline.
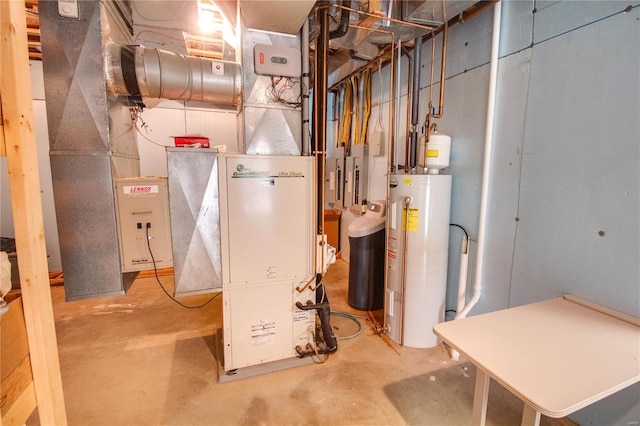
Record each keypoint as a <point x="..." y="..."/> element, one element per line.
<point x="342" y="29"/>
<point x="155" y="73"/>
<point x="92" y="143"/>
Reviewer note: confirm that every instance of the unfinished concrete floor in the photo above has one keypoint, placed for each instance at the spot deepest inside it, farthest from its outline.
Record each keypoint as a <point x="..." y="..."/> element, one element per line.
<point x="140" y="359"/>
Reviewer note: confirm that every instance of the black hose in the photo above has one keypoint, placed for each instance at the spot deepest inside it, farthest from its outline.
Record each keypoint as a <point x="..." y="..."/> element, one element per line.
<point x="329" y="341"/>
<point x="327" y="332"/>
<point x="344" y="22"/>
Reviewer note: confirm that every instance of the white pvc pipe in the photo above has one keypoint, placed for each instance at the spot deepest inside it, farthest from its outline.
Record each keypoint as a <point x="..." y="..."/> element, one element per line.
<point x="488" y="147"/>
<point x="463" y="272"/>
<point x="462" y="284"/>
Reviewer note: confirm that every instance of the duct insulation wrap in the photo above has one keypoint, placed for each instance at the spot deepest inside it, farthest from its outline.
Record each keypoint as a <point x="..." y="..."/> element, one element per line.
<point x="155" y="73"/>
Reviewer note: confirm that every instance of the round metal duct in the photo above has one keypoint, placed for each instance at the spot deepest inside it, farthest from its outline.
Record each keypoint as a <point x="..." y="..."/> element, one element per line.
<point x="155" y="73"/>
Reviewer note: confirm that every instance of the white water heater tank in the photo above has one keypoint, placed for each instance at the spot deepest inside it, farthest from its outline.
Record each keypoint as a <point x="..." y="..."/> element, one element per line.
<point x="417" y="253"/>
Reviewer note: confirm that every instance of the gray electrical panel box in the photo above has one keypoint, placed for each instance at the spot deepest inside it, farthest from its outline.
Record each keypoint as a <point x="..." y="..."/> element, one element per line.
<point x="330" y="181"/>
<point x="338" y="178"/>
<point x="143" y="223"/>
<point x="357" y="178"/>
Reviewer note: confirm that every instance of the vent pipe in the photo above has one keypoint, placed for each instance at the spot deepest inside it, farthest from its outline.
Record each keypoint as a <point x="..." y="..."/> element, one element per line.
<point x="415" y="103"/>
<point x="155" y="73"/>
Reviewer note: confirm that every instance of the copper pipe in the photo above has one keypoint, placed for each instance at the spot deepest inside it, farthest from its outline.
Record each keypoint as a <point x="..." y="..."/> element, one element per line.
<point x="392" y="110"/>
<point x="407" y="204"/>
<point x="443" y="67"/>
<point x="433" y="57"/>
<point x="320" y="129"/>
<point x="387" y="52"/>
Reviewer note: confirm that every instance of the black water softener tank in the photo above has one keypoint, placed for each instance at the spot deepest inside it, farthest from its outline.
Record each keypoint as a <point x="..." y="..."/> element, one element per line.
<point x="366" y="263"/>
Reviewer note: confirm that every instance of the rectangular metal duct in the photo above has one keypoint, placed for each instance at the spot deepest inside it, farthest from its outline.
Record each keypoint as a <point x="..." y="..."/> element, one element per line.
<point x="280" y="16"/>
<point x="268" y="127"/>
<point x="195" y="220"/>
<point x="92" y="143"/>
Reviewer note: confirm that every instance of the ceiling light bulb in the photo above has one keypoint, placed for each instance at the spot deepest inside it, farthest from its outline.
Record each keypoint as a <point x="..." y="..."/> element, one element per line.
<point x="207" y="20"/>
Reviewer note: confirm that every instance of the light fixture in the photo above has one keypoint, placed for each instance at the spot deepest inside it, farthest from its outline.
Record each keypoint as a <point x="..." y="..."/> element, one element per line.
<point x="209" y="16"/>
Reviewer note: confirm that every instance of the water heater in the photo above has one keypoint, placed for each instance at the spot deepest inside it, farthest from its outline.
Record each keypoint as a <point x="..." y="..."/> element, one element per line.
<point x="418" y="239"/>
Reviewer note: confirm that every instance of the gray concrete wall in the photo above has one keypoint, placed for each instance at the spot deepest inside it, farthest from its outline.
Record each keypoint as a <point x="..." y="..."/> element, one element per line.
<point x="564" y="191"/>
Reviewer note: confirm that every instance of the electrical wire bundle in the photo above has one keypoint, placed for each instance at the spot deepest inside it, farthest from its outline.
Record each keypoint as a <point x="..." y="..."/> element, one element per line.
<point x="280" y="87"/>
<point x="366" y="105"/>
<point x="356" y="110"/>
<point x="344" y="130"/>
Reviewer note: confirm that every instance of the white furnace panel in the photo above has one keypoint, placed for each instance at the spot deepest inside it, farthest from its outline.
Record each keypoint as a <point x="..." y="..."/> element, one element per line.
<point x="266" y="209"/>
<point x="262" y="323"/>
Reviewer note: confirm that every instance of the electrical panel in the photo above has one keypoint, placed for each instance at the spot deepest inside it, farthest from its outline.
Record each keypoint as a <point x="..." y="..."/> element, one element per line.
<point x="143" y="223"/>
<point x="330" y="181"/>
<point x="357" y="178"/>
<point x="339" y="178"/>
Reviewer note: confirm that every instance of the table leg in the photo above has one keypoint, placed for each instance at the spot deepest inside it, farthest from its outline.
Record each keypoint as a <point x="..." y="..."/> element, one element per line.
<point x="530" y="416"/>
<point x="480" y="398"/>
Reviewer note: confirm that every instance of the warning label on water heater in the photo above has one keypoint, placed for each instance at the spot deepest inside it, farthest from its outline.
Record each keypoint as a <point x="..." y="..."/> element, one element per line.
<point x="410" y="219"/>
<point x="392" y="253"/>
<point x="263" y="333"/>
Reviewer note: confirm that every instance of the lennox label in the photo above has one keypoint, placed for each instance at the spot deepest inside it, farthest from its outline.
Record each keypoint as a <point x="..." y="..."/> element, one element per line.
<point x="140" y="189"/>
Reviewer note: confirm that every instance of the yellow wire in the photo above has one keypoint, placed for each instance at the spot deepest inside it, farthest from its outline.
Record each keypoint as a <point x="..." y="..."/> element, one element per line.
<point x="346" y="116"/>
<point x="340" y="95"/>
<point x="366" y="87"/>
<point x="355" y="84"/>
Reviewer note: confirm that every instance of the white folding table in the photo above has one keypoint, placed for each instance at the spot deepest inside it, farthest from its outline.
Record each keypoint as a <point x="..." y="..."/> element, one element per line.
<point x="557" y="356"/>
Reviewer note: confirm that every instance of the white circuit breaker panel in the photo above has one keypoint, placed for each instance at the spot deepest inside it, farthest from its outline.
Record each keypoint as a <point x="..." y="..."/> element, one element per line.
<point x="143" y="215"/>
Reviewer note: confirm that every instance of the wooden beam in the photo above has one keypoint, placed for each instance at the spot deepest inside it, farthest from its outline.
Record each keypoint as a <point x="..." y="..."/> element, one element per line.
<point x="3" y="148"/>
<point x="22" y="162"/>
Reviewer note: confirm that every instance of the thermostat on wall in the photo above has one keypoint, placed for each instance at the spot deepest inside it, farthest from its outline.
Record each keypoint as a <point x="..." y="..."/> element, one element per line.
<point x="275" y="60"/>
